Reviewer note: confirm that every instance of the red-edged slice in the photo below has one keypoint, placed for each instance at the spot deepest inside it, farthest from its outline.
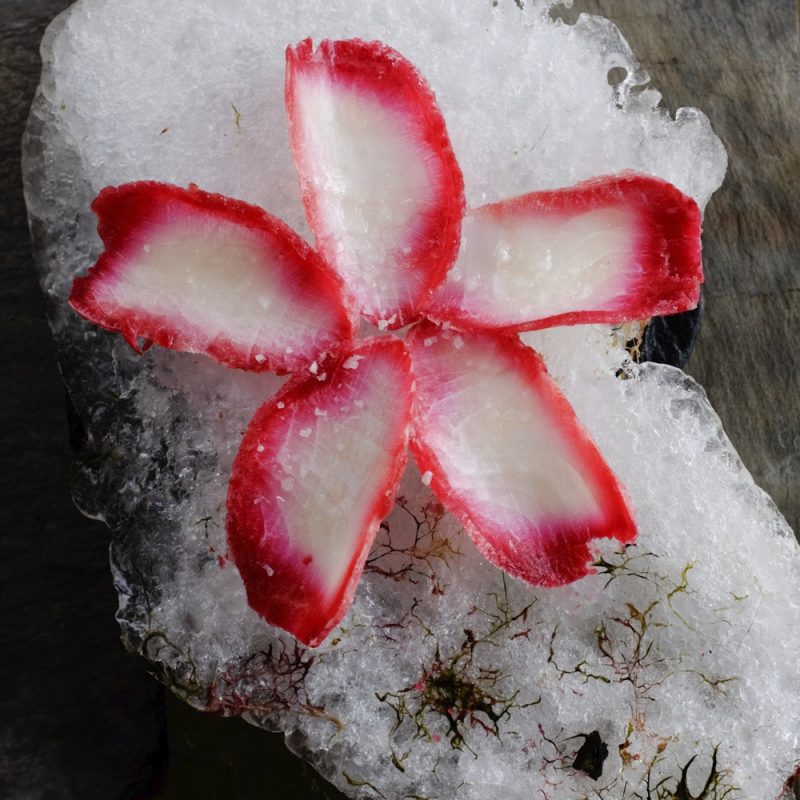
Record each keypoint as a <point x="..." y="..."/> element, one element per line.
<point x="504" y="452"/>
<point x="204" y="273"/>
<point x="315" y="475"/>
<point x="381" y="186"/>
<point x="613" y="249"/>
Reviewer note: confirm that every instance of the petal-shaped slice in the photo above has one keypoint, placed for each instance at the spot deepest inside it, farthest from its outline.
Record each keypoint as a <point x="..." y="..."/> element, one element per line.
<point x="208" y="274"/>
<point x="381" y="186"/>
<point x="506" y="454"/>
<point x="613" y="249"/>
<point x="315" y="475"/>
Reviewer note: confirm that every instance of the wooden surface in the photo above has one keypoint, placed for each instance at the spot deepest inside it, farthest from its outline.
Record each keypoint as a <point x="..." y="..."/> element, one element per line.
<point x="63" y="668"/>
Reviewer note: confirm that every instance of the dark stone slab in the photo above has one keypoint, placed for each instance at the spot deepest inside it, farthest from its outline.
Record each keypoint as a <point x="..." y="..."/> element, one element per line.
<point x="212" y="758"/>
<point x="80" y="718"/>
<point x="671" y="340"/>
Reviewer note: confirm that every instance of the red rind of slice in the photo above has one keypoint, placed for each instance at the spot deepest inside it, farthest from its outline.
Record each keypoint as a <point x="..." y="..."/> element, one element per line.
<point x="521" y="265"/>
<point x="315" y="475"/>
<point x="203" y="273"/>
<point x="506" y="454"/>
<point x="383" y="192"/>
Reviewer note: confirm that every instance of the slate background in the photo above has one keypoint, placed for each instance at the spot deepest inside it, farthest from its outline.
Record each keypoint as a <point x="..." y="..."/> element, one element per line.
<point x="81" y="719"/>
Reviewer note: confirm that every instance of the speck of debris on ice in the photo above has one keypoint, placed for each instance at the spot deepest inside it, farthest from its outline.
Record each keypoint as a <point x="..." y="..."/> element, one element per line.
<point x="314" y="368"/>
<point x="426" y="478"/>
<point x="305" y="433"/>
<point x="260" y="357"/>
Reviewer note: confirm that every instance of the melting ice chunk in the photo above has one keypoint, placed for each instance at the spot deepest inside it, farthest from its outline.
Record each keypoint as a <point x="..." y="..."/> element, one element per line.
<point x="710" y="589"/>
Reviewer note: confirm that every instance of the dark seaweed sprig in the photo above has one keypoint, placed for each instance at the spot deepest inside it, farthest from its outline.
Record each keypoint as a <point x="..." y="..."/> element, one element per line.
<point x="419" y="558"/>
<point x="714" y="788"/>
<point x="276" y="681"/>
<point x="457" y="688"/>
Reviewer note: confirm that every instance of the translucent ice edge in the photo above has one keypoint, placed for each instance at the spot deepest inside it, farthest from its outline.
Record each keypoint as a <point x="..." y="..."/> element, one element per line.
<point x="445" y="679"/>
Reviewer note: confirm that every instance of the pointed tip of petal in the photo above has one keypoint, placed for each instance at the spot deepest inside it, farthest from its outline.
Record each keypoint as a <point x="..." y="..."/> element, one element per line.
<point x="199" y="272"/>
<point x="315" y="474"/>
<point x="509" y="458"/>
<point x="609" y="250"/>
<point x="390" y="221"/>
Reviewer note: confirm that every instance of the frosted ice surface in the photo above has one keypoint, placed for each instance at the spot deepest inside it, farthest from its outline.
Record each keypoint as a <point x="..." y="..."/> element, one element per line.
<point x="445" y="680"/>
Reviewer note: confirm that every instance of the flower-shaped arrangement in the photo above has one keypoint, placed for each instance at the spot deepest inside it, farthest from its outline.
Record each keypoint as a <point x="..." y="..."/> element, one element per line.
<point x="490" y="431"/>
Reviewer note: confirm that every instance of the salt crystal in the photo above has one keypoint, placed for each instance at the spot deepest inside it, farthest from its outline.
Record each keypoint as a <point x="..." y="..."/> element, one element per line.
<point x="352" y="362"/>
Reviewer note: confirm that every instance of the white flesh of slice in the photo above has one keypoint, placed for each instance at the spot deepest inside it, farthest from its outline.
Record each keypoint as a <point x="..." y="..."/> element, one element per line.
<point x="330" y="468"/>
<point x="530" y="268"/>
<point x="219" y="278"/>
<point x="498" y="446"/>
<point x="371" y="183"/>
